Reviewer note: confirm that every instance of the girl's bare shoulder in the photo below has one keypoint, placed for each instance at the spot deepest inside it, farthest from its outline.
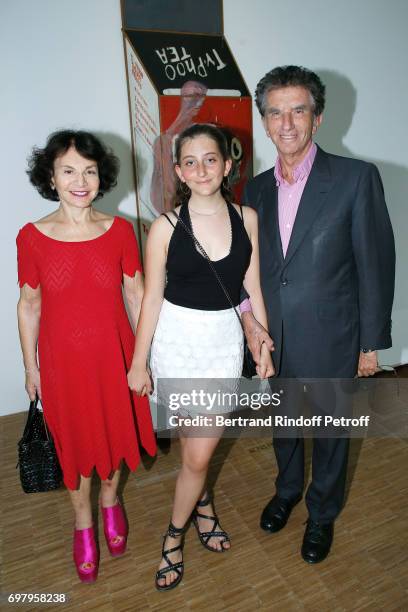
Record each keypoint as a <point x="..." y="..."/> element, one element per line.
<point x="249" y="214"/>
<point x="163" y="226"/>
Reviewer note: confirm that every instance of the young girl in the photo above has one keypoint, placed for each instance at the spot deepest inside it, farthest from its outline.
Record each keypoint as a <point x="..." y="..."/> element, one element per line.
<point x="196" y="332"/>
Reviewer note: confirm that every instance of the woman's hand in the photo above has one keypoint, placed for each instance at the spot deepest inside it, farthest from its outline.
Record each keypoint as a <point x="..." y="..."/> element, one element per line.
<point x="139" y="380"/>
<point x="265" y="368"/>
<point x="33" y="383"/>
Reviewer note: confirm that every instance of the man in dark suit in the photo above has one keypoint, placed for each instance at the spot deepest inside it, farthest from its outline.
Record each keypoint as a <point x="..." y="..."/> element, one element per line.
<point x="327" y="272"/>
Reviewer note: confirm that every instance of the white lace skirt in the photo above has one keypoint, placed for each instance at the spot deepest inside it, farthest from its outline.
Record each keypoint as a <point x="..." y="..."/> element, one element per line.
<point x="197" y="344"/>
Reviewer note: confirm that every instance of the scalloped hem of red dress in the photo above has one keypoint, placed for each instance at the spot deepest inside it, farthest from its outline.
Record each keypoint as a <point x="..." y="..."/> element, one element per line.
<point x="29" y="283"/>
<point x="68" y="481"/>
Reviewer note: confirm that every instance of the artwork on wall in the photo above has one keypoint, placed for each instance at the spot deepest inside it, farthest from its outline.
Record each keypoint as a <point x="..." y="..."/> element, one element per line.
<point x="176" y="79"/>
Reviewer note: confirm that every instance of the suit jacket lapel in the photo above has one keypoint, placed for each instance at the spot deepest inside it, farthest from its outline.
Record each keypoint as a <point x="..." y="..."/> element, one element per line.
<point x="271" y="218"/>
<point x="314" y="196"/>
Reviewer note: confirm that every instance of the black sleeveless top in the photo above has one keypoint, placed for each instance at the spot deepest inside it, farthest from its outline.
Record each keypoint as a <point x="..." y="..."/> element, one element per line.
<point x="190" y="281"/>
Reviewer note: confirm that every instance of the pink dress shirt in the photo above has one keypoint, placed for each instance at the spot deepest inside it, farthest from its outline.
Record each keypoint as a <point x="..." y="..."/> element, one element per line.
<point x="289" y="196"/>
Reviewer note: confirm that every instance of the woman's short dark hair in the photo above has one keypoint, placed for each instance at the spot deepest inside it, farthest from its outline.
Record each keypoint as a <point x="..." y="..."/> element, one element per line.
<point x="183" y="192"/>
<point x="41" y="161"/>
<point x="295" y="76"/>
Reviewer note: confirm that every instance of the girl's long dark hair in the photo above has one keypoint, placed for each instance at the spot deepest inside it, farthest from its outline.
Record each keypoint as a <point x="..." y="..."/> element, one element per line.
<point x="183" y="192"/>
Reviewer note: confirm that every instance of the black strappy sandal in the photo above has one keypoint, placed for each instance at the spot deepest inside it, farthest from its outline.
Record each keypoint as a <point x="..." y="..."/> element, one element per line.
<point x="178" y="568"/>
<point x="205" y="536"/>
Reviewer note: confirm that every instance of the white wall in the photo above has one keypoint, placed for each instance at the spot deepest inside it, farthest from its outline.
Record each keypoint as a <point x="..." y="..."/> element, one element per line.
<point x="62" y="66"/>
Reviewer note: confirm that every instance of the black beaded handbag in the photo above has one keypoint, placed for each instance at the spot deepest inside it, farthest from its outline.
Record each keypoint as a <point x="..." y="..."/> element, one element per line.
<point x="249" y="365"/>
<point x="40" y="470"/>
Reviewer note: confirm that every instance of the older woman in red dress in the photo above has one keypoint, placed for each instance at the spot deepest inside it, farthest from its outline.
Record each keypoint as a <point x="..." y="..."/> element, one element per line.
<point x="76" y="337"/>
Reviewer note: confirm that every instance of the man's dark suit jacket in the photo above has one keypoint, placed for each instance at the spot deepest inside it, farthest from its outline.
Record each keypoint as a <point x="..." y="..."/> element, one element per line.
<point x="332" y="294"/>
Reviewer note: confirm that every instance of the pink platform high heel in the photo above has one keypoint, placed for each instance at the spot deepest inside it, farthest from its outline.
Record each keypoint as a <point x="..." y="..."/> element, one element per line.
<point x="86" y="555"/>
<point x="114" y="527"/>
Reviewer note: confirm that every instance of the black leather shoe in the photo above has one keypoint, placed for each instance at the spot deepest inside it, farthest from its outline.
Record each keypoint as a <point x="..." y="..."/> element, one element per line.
<point x="317" y="541"/>
<point x="276" y="513"/>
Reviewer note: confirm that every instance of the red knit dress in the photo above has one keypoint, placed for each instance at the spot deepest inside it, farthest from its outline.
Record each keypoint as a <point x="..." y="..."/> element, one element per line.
<point x="85" y="348"/>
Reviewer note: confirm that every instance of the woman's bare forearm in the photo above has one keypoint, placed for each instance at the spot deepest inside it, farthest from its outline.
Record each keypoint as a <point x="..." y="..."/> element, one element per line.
<point x="133" y="289"/>
<point x="29" y="315"/>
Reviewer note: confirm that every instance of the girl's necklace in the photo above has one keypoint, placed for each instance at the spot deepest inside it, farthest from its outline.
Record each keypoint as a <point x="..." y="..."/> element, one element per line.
<point x="206" y="214"/>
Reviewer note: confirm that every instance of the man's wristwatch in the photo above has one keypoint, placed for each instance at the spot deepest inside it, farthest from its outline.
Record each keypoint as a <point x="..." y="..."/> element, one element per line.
<point x="366" y="350"/>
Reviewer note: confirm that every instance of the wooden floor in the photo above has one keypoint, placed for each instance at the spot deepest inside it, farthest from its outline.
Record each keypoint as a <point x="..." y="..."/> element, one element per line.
<point x="366" y="570"/>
